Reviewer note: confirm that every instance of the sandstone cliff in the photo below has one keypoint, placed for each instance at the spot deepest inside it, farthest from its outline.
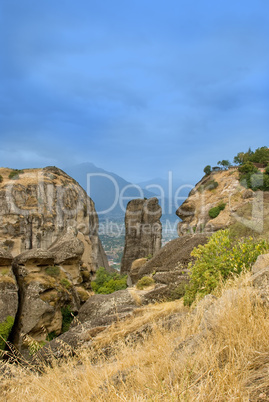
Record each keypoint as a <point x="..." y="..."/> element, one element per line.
<point x="49" y="251"/>
<point x="38" y="205"/>
<point x="143" y="231"/>
<point x="241" y="206"/>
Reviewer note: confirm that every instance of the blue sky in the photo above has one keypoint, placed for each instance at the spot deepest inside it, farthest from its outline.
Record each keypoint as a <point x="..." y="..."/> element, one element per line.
<point x="136" y="87"/>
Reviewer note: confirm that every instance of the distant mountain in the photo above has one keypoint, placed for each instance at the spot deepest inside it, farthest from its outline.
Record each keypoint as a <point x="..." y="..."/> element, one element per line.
<point x="171" y="193"/>
<point x="110" y="192"/>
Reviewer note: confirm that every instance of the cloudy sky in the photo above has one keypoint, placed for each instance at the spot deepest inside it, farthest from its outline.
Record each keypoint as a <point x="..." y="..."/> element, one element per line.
<point x="138" y="87"/>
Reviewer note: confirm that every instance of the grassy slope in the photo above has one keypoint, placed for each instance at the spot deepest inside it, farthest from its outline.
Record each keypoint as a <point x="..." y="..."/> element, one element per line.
<point x="230" y="362"/>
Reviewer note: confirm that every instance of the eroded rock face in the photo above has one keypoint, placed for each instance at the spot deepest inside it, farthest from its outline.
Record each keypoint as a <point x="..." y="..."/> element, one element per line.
<point x="39" y="205"/>
<point x="260" y="277"/>
<point x="219" y="187"/>
<point x="169" y="266"/>
<point x="44" y="290"/>
<point x="143" y="231"/>
<point x="8" y="290"/>
<point x="98" y="313"/>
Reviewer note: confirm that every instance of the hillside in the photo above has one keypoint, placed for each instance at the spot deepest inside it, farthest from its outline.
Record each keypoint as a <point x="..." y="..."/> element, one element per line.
<point x="217" y="351"/>
<point x="244" y="210"/>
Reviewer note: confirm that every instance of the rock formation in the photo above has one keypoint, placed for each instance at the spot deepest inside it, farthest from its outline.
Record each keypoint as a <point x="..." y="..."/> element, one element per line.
<point x="241" y="205"/>
<point x="37" y="207"/>
<point x="169" y="266"/>
<point x="49" y="251"/>
<point x="8" y="295"/>
<point x="143" y="231"/>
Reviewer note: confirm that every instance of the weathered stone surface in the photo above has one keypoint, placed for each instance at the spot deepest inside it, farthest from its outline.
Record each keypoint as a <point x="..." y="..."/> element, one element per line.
<point x="261" y="263"/>
<point x="143" y="231"/>
<point x="8" y="288"/>
<point x="194" y="212"/>
<point x="99" y="312"/>
<point x="44" y="290"/>
<point x="170" y="265"/>
<point x="39" y="205"/>
<point x="36" y="258"/>
<point x="5" y="258"/>
<point x="67" y="251"/>
<point x="102" y="310"/>
<point x="135" y="267"/>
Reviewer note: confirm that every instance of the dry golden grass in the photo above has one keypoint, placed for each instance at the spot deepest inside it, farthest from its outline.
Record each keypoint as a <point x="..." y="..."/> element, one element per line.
<point x="227" y="360"/>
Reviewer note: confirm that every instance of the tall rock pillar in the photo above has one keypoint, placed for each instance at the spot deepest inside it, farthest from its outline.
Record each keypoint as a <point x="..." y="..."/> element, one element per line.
<point x="143" y="231"/>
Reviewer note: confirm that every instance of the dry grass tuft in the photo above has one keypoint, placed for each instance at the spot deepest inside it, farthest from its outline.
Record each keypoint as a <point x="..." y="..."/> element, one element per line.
<point x="217" y="351"/>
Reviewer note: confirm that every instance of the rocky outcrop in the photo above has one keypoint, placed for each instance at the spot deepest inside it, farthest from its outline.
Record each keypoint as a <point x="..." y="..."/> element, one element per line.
<point x="46" y="286"/>
<point x="98" y="314"/>
<point x="39" y="205"/>
<point x="143" y="231"/>
<point x="8" y="295"/>
<point x="219" y="187"/>
<point x="260" y="277"/>
<point x="169" y="266"/>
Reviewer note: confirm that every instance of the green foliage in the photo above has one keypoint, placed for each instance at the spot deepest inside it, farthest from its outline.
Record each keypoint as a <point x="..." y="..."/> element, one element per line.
<point x="211" y="185"/>
<point x="179" y="291"/>
<point x="14" y="174"/>
<point x="65" y="283"/>
<point x="67" y="318"/>
<point x="5" y="329"/>
<point x="51" y="336"/>
<point x="149" y="257"/>
<point x="53" y="270"/>
<point x="250" y="176"/>
<point x="247" y="167"/>
<point x="218" y="260"/>
<point x="260" y="155"/>
<point x="34" y="346"/>
<point x="224" y="163"/>
<point x="106" y="282"/>
<point x="1" y="178"/>
<point x="239" y="158"/>
<point x="207" y="170"/>
<point x="144" y="282"/>
<point x="215" y="211"/>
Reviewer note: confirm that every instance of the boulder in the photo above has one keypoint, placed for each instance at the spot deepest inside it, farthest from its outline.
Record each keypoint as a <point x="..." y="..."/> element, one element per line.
<point x="170" y="265"/>
<point x="261" y="263"/>
<point x="45" y="289"/>
<point x="68" y="251"/>
<point x="135" y="267"/>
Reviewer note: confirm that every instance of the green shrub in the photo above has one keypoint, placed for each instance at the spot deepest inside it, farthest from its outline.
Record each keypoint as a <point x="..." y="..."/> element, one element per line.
<point x="219" y="259"/>
<point x="14" y="174"/>
<point x="51" y="336"/>
<point x="179" y="291"/>
<point x="211" y="185"/>
<point x="207" y="170"/>
<point x="53" y="270"/>
<point x="215" y="211"/>
<point x="34" y="346"/>
<point x="65" y="283"/>
<point x="106" y="282"/>
<point x="67" y="318"/>
<point x="5" y="329"/>
<point x="144" y="282"/>
<point x="1" y="178"/>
